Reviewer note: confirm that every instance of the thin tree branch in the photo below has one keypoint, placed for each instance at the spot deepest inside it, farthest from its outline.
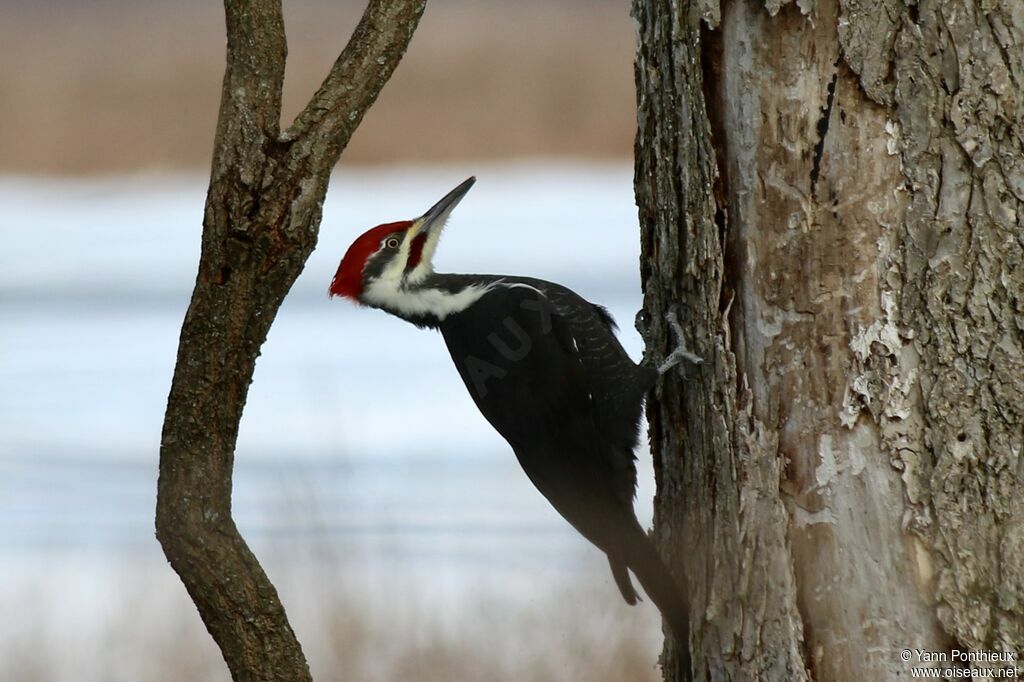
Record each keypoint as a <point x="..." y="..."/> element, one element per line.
<point x="249" y="119"/>
<point x="260" y="224"/>
<point x="367" y="62"/>
<point x="254" y="77"/>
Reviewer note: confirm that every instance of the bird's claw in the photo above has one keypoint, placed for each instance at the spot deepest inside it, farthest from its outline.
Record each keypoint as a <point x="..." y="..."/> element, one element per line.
<point x="681" y="352"/>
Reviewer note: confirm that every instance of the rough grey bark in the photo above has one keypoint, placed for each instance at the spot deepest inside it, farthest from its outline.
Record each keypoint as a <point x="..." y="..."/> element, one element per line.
<point x="834" y="192"/>
<point x="260" y="224"/>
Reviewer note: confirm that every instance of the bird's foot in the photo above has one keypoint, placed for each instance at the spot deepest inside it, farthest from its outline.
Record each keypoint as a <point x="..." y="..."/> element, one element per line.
<point x="681" y="352"/>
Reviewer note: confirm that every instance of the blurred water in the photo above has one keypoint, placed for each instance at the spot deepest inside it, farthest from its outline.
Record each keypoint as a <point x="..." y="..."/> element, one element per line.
<point x="357" y="429"/>
<point x="363" y="467"/>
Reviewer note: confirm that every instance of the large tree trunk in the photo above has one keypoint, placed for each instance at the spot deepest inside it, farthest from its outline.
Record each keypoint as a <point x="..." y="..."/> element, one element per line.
<point x="834" y="193"/>
<point x="260" y="225"/>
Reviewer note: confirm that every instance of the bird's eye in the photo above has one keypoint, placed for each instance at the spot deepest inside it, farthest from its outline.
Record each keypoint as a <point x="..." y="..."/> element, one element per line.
<point x="391" y="243"/>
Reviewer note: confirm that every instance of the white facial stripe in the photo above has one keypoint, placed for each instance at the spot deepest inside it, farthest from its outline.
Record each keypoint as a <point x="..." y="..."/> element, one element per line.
<point x="426" y="265"/>
<point x="390" y="295"/>
<point x="392" y="275"/>
<point x="395" y="290"/>
<point x="396" y="266"/>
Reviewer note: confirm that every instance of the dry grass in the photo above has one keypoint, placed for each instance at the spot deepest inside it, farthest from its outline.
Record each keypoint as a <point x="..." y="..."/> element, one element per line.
<point x="351" y="630"/>
<point x="113" y="85"/>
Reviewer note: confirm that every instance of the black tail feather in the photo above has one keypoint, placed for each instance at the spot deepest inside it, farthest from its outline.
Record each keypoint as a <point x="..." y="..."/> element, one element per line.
<point x="663" y="590"/>
<point x="620" y="572"/>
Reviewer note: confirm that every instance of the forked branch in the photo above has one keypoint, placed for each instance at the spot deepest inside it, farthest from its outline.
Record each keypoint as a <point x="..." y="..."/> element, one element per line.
<point x="260" y="225"/>
<point x="355" y="80"/>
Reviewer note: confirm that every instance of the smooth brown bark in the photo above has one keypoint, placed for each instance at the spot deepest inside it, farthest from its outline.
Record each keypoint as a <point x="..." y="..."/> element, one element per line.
<point x="260" y="224"/>
<point x="834" y="192"/>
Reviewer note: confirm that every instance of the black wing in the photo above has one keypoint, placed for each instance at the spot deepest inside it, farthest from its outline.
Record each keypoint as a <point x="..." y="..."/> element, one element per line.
<point x="617" y="383"/>
<point x="521" y="362"/>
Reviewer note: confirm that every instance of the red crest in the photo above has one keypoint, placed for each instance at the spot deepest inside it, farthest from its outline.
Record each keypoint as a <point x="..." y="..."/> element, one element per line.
<point x="348" y="280"/>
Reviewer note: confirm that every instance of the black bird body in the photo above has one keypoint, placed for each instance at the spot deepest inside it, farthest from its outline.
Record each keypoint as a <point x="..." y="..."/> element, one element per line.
<point x="545" y="368"/>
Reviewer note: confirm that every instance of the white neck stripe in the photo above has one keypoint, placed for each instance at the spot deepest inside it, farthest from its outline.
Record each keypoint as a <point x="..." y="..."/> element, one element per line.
<point x="389" y="294"/>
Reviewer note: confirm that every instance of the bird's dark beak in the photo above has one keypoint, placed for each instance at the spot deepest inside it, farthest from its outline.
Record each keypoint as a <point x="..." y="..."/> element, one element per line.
<point x="439" y="212"/>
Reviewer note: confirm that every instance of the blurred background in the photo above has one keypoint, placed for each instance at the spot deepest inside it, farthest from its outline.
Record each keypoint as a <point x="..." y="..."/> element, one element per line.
<point x="403" y="537"/>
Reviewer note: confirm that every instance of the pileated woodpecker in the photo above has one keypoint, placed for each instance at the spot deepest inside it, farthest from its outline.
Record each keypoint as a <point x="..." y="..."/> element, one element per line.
<point x="546" y="370"/>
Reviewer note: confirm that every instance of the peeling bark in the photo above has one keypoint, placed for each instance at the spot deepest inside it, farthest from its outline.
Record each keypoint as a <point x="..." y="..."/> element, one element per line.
<point x="260" y="224"/>
<point x="835" y="193"/>
<point x="717" y="477"/>
<point x="959" y="128"/>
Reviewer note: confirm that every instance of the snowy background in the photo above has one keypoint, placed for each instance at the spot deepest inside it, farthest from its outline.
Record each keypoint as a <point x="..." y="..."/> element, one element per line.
<point x="366" y="480"/>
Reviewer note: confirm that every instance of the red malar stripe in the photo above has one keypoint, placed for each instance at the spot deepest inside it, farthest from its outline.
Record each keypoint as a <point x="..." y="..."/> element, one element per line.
<point x="416" y="251"/>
